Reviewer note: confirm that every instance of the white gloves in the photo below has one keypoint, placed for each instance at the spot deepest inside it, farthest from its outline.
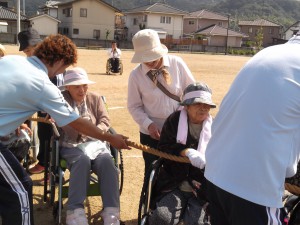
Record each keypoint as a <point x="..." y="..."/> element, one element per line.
<point x="197" y="159"/>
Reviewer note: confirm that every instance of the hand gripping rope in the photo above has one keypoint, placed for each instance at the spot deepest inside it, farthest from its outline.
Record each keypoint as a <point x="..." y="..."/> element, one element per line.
<point x="141" y="147"/>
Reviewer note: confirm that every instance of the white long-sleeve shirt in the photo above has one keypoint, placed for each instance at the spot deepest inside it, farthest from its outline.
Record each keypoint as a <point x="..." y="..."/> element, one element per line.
<point x="114" y="54"/>
<point x="146" y="102"/>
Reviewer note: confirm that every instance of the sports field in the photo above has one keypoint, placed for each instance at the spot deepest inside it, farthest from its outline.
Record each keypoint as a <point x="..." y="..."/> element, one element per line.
<point x="218" y="71"/>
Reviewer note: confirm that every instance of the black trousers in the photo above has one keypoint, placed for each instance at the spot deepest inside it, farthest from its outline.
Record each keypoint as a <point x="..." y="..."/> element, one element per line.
<point x="152" y="143"/>
<point x="115" y="63"/>
<point x="228" y="209"/>
<point x="16" y="207"/>
<point x="45" y="133"/>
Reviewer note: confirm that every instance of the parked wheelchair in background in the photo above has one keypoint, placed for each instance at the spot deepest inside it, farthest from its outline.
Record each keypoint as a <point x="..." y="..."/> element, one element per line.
<point x="109" y="67"/>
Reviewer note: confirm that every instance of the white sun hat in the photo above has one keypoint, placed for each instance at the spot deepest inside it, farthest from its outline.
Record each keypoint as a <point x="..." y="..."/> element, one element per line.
<point x="76" y="76"/>
<point x="147" y="46"/>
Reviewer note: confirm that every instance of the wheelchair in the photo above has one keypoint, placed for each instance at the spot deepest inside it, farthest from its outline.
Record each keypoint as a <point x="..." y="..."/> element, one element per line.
<point x="292" y="200"/>
<point x="145" y="204"/>
<point x="147" y="201"/>
<point x="109" y="67"/>
<point x="57" y="183"/>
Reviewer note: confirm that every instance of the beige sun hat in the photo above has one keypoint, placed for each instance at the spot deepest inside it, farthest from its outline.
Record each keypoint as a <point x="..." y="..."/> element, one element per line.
<point x="147" y="46"/>
<point x="76" y="76"/>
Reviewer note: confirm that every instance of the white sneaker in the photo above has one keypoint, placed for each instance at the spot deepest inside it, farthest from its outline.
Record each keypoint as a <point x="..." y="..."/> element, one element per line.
<point x="76" y="217"/>
<point x="111" y="216"/>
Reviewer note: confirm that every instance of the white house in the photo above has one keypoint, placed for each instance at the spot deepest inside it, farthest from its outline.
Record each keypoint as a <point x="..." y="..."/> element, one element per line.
<point x="165" y="19"/>
<point x="291" y="31"/>
<point x="45" y="24"/>
<point x="87" y="19"/>
<point x="50" y="8"/>
<point x="3" y="27"/>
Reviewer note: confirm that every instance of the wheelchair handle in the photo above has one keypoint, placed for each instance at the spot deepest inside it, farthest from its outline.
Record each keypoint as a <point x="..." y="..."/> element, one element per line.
<point x="42" y="120"/>
<point x="55" y="129"/>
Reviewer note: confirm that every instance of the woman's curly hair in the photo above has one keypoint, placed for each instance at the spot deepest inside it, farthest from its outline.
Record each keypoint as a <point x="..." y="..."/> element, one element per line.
<point x="55" y="48"/>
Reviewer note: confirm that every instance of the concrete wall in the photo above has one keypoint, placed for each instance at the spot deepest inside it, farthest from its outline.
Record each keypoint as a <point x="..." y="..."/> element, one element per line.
<point x="45" y="25"/>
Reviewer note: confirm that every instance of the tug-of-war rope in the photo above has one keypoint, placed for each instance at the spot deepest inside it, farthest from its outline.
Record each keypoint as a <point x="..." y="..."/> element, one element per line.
<point x="289" y="187"/>
<point x="156" y="152"/>
<point x="144" y="148"/>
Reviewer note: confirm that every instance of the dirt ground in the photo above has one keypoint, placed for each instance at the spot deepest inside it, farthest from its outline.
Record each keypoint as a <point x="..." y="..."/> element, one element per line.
<point x="218" y="71"/>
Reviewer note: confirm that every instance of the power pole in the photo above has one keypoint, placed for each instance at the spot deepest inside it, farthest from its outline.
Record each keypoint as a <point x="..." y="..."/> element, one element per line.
<point x="24" y="7"/>
<point x="226" y="44"/>
<point x="18" y="19"/>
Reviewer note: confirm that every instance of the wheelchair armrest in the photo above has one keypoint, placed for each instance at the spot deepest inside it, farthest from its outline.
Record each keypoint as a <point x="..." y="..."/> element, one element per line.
<point x="156" y="164"/>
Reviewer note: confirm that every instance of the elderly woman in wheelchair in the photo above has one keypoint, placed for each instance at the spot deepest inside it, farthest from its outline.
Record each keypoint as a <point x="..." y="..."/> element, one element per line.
<point x="84" y="154"/>
<point x="178" y="192"/>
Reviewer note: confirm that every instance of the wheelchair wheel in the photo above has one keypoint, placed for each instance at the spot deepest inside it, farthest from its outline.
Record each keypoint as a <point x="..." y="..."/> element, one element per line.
<point x="121" y="67"/>
<point x="55" y="212"/>
<point x="143" y="214"/>
<point x="295" y="213"/>
<point x="118" y="156"/>
<point x="145" y="199"/>
<point x="108" y="67"/>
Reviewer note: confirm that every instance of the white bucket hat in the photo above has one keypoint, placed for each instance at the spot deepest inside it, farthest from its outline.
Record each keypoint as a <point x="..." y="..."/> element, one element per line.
<point x="76" y="76"/>
<point x="147" y="46"/>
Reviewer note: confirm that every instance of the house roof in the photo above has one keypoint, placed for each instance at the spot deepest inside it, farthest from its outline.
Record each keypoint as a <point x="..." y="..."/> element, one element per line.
<point x="258" y="22"/>
<point x="215" y="30"/>
<point x="44" y="15"/>
<point x="102" y="2"/>
<point x="205" y="14"/>
<point x="294" y="27"/>
<point x="50" y="4"/>
<point x="157" y="8"/>
<point x="7" y="14"/>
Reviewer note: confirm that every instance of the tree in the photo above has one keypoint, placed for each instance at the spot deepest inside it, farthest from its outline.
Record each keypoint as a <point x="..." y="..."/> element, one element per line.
<point x="259" y="38"/>
<point x="107" y="34"/>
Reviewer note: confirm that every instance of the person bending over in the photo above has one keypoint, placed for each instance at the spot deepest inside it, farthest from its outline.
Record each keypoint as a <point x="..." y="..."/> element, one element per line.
<point x="25" y="89"/>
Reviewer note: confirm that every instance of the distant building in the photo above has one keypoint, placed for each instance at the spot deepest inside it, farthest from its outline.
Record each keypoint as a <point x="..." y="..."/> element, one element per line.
<point x="87" y="19"/>
<point x="8" y="25"/>
<point x="221" y="36"/>
<point x="50" y="8"/>
<point x="291" y="31"/>
<point x="271" y="31"/>
<point x="45" y="24"/>
<point x="203" y="18"/>
<point x="165" y="19"/>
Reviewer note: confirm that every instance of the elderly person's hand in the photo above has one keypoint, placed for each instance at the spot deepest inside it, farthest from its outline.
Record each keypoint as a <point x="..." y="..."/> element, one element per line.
<point x="154" y="131"/>
<point x="25" y="127"/>
<point x="197" y="159"/>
